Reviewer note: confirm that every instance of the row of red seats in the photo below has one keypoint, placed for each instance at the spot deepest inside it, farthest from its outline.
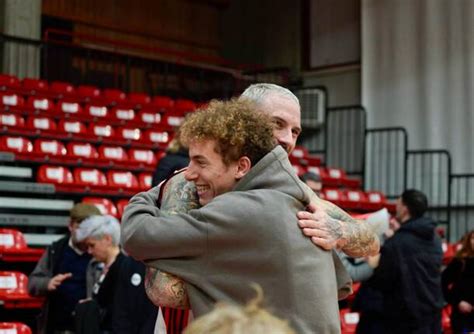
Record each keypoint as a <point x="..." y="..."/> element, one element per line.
<point x="14" y="291"/>
<point x="92" y="179"/>
<point x="301" y="156"/>
<point x="87" y="93"/>
<point x="106" y="206"/>
<point x="92" y="113"/>
<point x="14" y="328"/>
<point x="330" y="177"/>
<point x="80" y="153"/>
<point x="13" y="247"/>
<point x="68" y="129"/>
<point x="351" y="199"/>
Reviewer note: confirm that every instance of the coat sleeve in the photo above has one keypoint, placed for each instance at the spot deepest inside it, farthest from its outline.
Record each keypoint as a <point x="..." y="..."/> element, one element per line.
<point x="358" y="272"/>
<point x="40" y="276"/>
<point x="388" y="271"/>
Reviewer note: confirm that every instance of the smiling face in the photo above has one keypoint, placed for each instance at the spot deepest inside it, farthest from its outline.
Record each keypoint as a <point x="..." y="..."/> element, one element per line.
<point x="209" y="173"/>
<point x="286" y="116"/>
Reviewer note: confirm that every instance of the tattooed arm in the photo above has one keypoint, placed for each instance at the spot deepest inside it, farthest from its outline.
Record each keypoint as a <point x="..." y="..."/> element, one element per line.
<point x="164" y="289"/>
<point x="330" y="227"/>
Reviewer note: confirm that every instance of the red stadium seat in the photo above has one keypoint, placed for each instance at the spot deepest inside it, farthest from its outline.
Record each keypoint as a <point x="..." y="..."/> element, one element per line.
<point x="87" y="92"/>
<point x="61" y="89"/>
<point x="113" y="96"/>
<point x="12" y="100"/>
<point x="39" y="103"/>
<point x="158" y="137"/>
<point x="13" y="247"/>
<point x="173" y="119"/>
<point x="89" y="177"/>
<point x="149" y="117"/>
<point x="82" y="150"/>
<point x="349" y="321"/>
<point x="101" y="130"/>
<point x="354" y="199"/>
<point x="14" y="328"/>
<point x="142" y="156"/>
<point x="301" y="155"/>
<point x="183" y="106"/>
<point x="15" y="144"/>
<point x="375" y="200"/>
<point x="121" y="204"/>
<point x="73" y="128"/>
<point x="96" y="111"/>
<point x="145" y="180"/>
<point x="49" y="147"/>
<point x="129" y="133"/>
<point x="115" y="153"/>
<point x="41" y="123"/>
<point x="120" y="179"/>
<point x="9" y="81"/>
<point x="106" y="206"/>
<point x="14" y="291"/>
<point x="55" y="175"/>
<point x="69" y="108"/>
<point x="335" y="196"/>
<point x="34" y="86"/>
<point x="162" y="103"/>
<point x="11" y="120"/>
<point x="138" y="100"/>
<point x="123" y="114"/>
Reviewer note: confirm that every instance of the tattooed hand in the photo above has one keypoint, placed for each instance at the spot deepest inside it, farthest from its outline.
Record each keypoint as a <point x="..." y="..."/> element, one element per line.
<point x="330" y="227"/>
<point x="162" y="288"/>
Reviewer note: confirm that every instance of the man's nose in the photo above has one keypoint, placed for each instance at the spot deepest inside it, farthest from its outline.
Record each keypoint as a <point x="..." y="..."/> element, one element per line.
<point x="285" y="139"/>
<point x="189" y="174"/>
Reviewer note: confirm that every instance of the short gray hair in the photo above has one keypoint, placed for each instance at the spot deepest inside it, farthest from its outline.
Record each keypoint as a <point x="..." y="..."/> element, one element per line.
<point x="98" y="226"/>
<point x="260" y="91"/>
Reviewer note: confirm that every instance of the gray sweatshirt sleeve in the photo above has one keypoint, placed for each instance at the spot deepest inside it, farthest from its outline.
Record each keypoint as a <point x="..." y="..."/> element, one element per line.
<point x="40" y="276"/>
<point x="358" y="272"/>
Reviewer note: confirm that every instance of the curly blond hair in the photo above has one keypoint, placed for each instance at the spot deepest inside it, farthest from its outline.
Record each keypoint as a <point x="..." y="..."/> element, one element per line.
<point x="234" y="319"/>
<point x="238" y="128"/>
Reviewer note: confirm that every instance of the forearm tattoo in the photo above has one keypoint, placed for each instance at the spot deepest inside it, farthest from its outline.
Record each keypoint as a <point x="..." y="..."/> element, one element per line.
<point x="357" y="238"/>
<point x="179" y="196"/>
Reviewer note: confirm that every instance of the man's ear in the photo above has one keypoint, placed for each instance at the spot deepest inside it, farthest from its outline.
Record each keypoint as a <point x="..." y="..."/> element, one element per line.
<point x="243" y="166"/>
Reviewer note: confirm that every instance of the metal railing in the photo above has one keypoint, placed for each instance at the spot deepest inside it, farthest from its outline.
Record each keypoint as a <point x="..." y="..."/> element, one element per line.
<point x="462" y="204"/>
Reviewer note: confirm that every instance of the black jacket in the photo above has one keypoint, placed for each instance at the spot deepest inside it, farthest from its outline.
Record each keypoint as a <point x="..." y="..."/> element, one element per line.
<point x="170" y="163"/>
<point x="409" y="274"/>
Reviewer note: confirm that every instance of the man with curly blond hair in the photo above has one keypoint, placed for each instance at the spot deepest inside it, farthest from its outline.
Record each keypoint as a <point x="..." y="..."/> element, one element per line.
<point x="246" y="231"/>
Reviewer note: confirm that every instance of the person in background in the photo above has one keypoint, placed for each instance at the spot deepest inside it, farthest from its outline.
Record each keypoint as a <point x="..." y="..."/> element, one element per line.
<point x="313" y="181"/>
<point x="60" y="276"/>
<point x="458" y="286"/>
<point x="176" y="158"/>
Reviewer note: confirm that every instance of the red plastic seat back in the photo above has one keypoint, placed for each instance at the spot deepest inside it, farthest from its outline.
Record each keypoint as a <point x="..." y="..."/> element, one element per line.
<point x="116" y="153"/>
<point x="113" y="96"/>
<point x="72" y="127"/>
<point x="69" y="108"/>
<point x="49" y="146"/>
<point x="41" y="123"/>
<point x="173" y="119"/>
<point x="145" y="180"/>
<point x="54" y="174"/>
<point x="11" y="239"/>
<point x="101" y="130"/>
<point x="162" y="103"/>
<point x="12" y="120"/>
<point x="39" y="103"/>
<point x="98" y="111"/>
<point x="183" y="106"/>
<point x="14" y="328"/>
<point x="15" y="144"/>
<point x="349" y="321"/>
<point x="13" y="284"/>
<point x="9" y="81"/>
<point x="12" y="100"/>
<point x="106" y="206"/>
<point x="88" y="92"/>
<point x="61" y="88"/>
<point x="142" y="156"/>
<point x="123" y="114"/>
<point x="129" y="133"/>
<point x="89" y="177"/>
<point x="138" y="100"/>
<point x="121" y="204"/>
<point x="121" y="179"/>
<point x="149" y="116"/>
<point x="82" y="150"/>
<point x="158" y="137"/>
<point x="34" y="85"/>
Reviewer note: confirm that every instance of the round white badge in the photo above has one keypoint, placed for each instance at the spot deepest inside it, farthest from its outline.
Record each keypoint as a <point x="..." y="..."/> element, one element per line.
<point x="136" y="279"/>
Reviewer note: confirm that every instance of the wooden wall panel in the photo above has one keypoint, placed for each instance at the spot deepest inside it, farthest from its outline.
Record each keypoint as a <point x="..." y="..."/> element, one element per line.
<point x="189" y="25"/>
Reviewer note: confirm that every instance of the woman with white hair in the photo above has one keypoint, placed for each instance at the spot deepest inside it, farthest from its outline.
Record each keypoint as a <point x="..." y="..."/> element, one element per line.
<point x="101" y="235"/>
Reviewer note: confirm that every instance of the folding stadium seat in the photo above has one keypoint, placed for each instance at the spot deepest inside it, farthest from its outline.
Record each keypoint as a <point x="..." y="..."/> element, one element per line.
<point x="375" y="201"/>
<point x="39" y="103"/>
<point x="13" y="247"/>
<point x="14" y="328"/>
<point x="121" y="204"/>
<point x="72" y="128"/>
<point x="9" y="100"/>
<point x="349" y="321"/>
<point x="145" y="180"/>
<point x="49" y="147"/>
<point x="9" y="82"/>
<point x="89" y="177"/>
<point x="183" y="106"/>
<point x="69" y="108"/>
<point x="162" y="103"/>
<point x="93" y="111"/>
<point x="173" y="119"/>
<point x="106" y="206"/>
<point x="335" y="196"/>
<point x="12" y="121"/>
<point x="142" y="156"/>
<point x="354" y="199"/>
<point x="15" y="144"/>
<point x="34" y="86"/>
<point x="82" y="150"/>
<point x="337" y="173"/>
<point x="87" y="92"/>
<point x="128" y="133"/>
<point x="55" y="175"/>
<point x="115" y="153"/>
<point x="14" y="291"/>
<point x="61" y="89"/>
<point x="149" y="117"/>
<point x="101" y="130"/>
<point x="121" y="179"/>
<point x="41" y="123"/>
<point x="123" y="114"/>
<point x="157" y="137"/>
<point x="137" y="100"/>
<point x="112" y="96"/>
